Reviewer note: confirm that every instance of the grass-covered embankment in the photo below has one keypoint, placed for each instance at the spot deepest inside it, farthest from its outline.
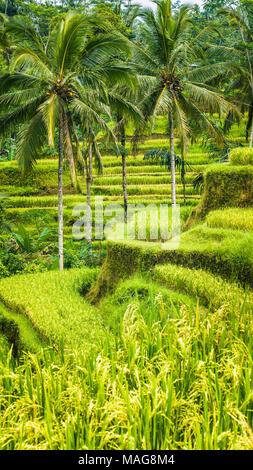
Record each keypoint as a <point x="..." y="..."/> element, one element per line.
<point x="177" y="378"/>
<point x="54" y="304"/>
<point x="224" y="186"/>
<point x="223" y="252"/>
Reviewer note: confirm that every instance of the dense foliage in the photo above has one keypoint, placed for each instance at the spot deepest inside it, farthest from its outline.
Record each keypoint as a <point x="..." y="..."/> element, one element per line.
<point x="137" y="344"/>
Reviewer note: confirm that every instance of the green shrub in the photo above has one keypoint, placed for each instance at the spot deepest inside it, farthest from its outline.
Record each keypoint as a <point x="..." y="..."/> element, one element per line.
<point x="14" y="262"/>
<point x="241" y="156"/>
<point x="38" y="266"/>
<point x="3" y="270"/>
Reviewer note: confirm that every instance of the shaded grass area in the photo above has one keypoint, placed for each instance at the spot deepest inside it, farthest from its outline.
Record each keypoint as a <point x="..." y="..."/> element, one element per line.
<point x="4" y="346"/>
<point x="18" y="331"/>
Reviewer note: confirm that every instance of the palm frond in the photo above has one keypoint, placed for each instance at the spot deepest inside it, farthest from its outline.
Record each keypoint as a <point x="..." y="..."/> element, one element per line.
<point x="22" y="114"/>
<point x="30" y="139"/>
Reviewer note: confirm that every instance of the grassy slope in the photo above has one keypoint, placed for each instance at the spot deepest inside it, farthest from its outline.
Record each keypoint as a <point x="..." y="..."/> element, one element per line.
<point x="179" y="377"/>
<point x="53" y="304"/>
<point x="27" y="338"/>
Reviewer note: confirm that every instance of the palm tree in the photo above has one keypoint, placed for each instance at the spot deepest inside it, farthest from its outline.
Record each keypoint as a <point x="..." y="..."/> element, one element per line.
<point x="49" y="88"/>
<point x="174" y="77"/>
<point x="123" y="103"/>
<point x="4" y="40"/>
<point x="123" y="100"/>
<point x="243" y="79"/>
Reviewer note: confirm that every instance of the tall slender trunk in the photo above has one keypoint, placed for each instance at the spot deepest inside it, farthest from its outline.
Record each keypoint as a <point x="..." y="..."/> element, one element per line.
<point x="124" y="170"/>
<point x="251" y="135"/>
<point x="70" y="155"/>
<point x="60" y="194"/>
<point x="184" y="191"/>
<point x="183" y="180"/>
<point x="88" y="165"/>
<point x="172" y="156"/>
<point x="124" y="184"/>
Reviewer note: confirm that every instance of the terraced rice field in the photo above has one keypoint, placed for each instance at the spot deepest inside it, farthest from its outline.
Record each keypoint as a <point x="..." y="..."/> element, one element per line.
<point x="154" y="350"/>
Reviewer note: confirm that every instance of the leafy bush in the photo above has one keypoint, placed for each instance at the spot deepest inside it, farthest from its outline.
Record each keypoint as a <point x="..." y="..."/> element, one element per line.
<point x="3" y="270"/>
<point x="27" y="243"/>
<point x="14" y="262"/>
<point x="241" y="156"/>
<point x="76" y="255"/>
<point x="38" y="266"/>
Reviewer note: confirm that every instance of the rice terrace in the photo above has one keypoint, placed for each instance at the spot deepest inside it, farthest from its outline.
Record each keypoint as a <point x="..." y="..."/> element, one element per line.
<point x="126" y="225"/>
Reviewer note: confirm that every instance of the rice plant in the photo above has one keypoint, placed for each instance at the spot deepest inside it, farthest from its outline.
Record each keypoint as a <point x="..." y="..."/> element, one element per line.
<point x="175" y="378"/>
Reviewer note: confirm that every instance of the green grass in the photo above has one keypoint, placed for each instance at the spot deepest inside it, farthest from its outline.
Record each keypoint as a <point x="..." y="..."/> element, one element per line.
<point x="28" y="339"/>
<point x="234" y="218"/>
<point x="163" y="362"/>
<point x="4" y="346"/>
<point x="212" y="290"/>
<point x="53" y="303"/>
<point x="176" y="378"/>
<point x="137" y="289"/>
<point x="18" y="190"/>
<point x="241" y="156"/>
<point x="140" y="179"/>
<point x="145" y="190"/>
<point x="72" y="200"/>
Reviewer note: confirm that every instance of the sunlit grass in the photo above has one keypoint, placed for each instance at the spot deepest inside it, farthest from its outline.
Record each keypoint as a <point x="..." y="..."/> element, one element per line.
<point x="53" y="303"/>
<point x="234" y="218"/>
<point x="176" y="378"/>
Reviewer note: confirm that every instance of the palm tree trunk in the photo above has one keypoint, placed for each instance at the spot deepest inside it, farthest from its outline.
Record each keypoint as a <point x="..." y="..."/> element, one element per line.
<point x="124" y="184"/>
<point x="184" y="190"/>
<point x="88" y="163"/>
<point x="183" y="178"/>
<point x="70" y="155"/>
<point x="60" y="194"/>
<point x="251" y="135"/>
<point x="124" y="171"/>
<point x="172" y="156"/>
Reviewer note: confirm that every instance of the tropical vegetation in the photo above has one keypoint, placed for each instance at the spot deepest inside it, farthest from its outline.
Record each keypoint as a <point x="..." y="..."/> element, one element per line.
<point x="114" y="117"/>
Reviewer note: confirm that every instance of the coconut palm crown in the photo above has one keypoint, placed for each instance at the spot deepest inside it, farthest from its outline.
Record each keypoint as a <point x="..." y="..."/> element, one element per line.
<point x="174" y="75"/>
<point x="51" y="86"/>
